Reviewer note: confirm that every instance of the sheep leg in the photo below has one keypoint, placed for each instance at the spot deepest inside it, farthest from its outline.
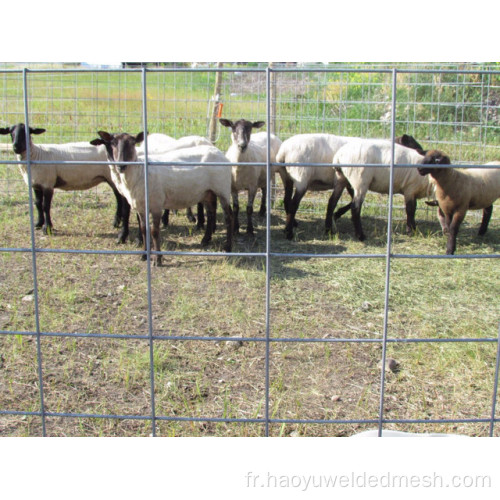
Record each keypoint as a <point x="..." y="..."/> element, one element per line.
<point x="443" y="222"/>
<point x="201" y="217"/>
<point x="293" y="207"/>
<point x="236" y="212"/>
<point x="332" y="203"/>
<point x="251" y="199"/>
<point x="189" y="214"/>
<point x="142" y="231"/>
<point x="342" y="183"/>
<point x="119" y="205"/>
<point x="155" y="233"/>
<point x="341" y="211"/>
<point x="140" y="237"/>
<point x="228" y="217"/>
<point x="262" y="211"/>
<point x="411" y="208"/>
<point x="123" y="234"/>
<point x="214" y="218"/>
<point x="39" y="206"/>
<point x="288" y="187"/>
<point x="456" y="220"/>
<point x="356" y="205"/>
<point x="47" y="200"/>
<point x="210" y="206"/>
<point x="165" y="217"/>
<point x="486" y="219"/>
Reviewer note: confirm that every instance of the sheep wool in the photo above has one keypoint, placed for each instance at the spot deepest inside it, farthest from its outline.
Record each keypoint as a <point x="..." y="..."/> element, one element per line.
<point x="364" y="178"/>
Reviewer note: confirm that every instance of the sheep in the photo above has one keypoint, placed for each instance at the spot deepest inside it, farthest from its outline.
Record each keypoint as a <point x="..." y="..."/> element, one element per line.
<point x="407" y="181"/>
<point x="404" y="140"/>
<point x="188" y="141"/>
<point x="68" y="177"/>
<point x="244" y="149"/>
<point x="311" y="149"/>
<point x="459" y="190"/>
<point x="157" y="143"/>
<point x="161" y="143"/>
<point x="171" y="187"/>
<point x="261" y="139"/>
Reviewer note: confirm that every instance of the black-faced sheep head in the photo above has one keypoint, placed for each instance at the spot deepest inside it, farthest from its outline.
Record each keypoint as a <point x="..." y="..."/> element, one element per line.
<point x="241" y="131"/>
<point x="410" y="142"/>
<point x="119" y="147"/>
<point x="18" y="136"/>
<point x="433" y="157"/>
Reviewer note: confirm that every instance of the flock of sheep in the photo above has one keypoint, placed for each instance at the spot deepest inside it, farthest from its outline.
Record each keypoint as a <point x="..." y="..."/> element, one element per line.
<point x="192" y="172"/>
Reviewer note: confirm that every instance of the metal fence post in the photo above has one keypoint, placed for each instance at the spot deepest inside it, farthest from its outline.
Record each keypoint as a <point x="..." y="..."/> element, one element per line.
<point x="495" y="386"/>
<point x="388" y="257"/>
<point x="148" y="247"/>
<point x="268" y="245"/>
<point x="33" y="254"/>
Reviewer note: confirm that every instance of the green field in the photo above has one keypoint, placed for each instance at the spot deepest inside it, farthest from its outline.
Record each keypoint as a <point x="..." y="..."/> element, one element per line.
<point x="223" y="297"/>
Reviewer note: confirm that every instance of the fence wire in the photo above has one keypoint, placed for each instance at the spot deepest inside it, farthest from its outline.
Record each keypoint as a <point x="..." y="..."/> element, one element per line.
<point x="381" y="89"/>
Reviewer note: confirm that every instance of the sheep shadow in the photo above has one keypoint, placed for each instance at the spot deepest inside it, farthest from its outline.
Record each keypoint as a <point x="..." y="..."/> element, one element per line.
<point x="311" y="232"/>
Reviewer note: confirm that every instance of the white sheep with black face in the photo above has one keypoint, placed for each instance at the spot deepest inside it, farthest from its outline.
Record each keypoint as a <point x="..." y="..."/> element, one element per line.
<point x="189" y="181"/>
<point x="162" y="143"/>
<point x="312" y="149"/>
<point x="460" y="190"/>
<point x="68" y="177"/>
<point x="309" y="149"/>
<point x="364" y="178"/>
<point x="250" y="148"/>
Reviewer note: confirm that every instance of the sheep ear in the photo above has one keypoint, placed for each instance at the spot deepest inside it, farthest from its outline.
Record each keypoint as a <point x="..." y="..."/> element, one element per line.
<point x="4" y="131"/>
<point x="139" y="137"/>
<point x="226" y="123"/>
<point x="444" y="160"/>
<point x="258" y="124"/>
<point x="105" y="136"/>
<point x="37" y="131"/>
<point x="97" y="142"/>
<point x="404" y="140"/>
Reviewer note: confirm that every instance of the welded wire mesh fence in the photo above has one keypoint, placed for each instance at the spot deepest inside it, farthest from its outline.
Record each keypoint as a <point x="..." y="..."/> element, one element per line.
<point x="454" y="109"/>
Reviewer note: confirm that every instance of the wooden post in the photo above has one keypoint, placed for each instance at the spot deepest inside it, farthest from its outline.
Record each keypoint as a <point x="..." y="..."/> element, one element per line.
<point x="212" y="133"/>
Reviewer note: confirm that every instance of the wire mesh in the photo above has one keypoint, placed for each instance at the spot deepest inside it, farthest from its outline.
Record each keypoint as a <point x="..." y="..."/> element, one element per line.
<point x="455" y="109"/>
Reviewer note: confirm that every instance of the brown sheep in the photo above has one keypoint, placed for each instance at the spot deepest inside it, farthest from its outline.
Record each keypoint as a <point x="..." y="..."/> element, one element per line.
<point x="459" y="190"/>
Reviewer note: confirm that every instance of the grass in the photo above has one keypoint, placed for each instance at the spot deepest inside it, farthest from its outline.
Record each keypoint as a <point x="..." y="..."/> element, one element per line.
<point x="225" y="297"/>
